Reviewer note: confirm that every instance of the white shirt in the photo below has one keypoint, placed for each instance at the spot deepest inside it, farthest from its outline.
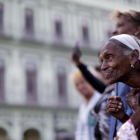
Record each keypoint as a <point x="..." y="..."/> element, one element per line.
<point x="84" y="131"/>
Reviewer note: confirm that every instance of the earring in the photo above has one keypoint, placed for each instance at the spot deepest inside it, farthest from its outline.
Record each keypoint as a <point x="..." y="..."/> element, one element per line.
<point x="136" y="33"/>
<point x="132" y="66"/>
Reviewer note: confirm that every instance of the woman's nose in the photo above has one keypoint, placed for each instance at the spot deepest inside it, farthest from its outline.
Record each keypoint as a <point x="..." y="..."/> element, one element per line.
<point x="115" y="32"/>
<point x="104" y="66"/>
<point x="80" y="86"/>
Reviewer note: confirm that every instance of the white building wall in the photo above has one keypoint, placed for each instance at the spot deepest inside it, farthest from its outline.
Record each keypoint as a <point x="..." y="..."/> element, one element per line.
<point x="15" y="115"/>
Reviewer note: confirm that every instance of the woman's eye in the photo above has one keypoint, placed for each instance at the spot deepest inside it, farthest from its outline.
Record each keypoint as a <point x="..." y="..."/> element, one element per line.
<point x="120" y="25"/>
<point x="109" y="57"/>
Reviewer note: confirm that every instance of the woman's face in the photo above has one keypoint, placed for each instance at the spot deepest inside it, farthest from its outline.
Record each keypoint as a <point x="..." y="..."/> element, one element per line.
<point x="115" y="65"/>
<point x="124" y="26"/>
<point x="83" y="86"/>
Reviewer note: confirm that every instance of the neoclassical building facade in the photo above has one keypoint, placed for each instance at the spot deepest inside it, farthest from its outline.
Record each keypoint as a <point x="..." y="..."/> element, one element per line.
<point x="37" y="98"/>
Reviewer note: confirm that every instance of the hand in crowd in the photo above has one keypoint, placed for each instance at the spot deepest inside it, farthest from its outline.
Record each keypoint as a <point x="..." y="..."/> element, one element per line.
<point x="115" y="108"/>
<point x="76" y="57"/>
<point x="133" y="98"/>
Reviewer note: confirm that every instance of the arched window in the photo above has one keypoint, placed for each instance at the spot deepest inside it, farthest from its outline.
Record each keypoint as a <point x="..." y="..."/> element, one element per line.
<point x="31" y="134"/>
<point x="3" y="134"/>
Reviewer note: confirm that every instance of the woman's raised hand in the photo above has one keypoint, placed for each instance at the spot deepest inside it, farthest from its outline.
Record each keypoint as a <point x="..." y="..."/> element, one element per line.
<point x="76" y="55"/>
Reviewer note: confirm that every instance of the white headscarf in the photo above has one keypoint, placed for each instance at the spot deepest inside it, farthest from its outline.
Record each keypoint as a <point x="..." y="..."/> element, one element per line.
<point x="129" y="40"/>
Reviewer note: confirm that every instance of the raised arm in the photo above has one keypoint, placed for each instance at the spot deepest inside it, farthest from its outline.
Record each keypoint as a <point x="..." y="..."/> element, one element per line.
<point x="96" y="83"/>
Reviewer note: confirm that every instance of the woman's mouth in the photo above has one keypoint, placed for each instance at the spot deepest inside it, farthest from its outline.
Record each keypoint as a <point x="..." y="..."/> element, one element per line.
<point x="106" y="75"/>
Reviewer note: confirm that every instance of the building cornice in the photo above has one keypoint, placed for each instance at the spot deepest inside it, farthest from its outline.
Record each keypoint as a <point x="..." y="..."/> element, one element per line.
<point x="106" y="4"/>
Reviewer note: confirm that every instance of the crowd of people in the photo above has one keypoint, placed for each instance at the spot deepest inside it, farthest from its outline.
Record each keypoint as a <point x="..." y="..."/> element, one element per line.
<point x="112" y="92"/>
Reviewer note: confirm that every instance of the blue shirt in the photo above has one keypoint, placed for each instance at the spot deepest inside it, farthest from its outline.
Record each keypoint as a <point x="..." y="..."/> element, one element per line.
<point x="120" y="90"/>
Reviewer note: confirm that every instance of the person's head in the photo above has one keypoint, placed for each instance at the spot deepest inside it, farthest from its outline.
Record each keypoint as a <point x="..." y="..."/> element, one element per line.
<point x="120" y="58"/>
<point x="82" y="85"/>
<point x="84" y="88"/>
<point x="128" y="22"/>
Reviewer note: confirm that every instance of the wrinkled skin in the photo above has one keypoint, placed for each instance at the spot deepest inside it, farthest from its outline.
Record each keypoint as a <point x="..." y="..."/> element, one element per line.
<point x="114" y="63"/>
<point x="115" y="108"/>
<point x="133" y="99"/>
<point x="124" y="26"/>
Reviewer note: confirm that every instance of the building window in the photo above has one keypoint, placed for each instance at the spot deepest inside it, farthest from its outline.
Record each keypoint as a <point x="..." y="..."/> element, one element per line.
<point x="29" y="22"/>
<point x="1" y="17"/>
<point x="64" y="135"/>
<point x="85" y="34"/>
<point x="31" y="77"/>
<point x="58" y="29"/>
<point x="3" y="134"/>
<point x="62" y="86"/>
<point x="2" y="74"/>
<point x="31" y="134"/>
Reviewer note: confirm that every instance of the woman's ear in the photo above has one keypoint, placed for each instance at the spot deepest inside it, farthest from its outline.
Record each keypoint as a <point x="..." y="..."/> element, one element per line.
<point x="134" y="57"/>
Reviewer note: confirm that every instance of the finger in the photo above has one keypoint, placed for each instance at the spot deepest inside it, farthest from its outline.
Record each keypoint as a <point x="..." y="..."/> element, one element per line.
<point x="118" y="98"/>
<point x="115" y="102"/>
<point x="134" y="91"/>
<point x="111" y="98"/>
<point x="131" y="93"/>
<point x="114" y="98"/>
<point x="107" y="106"/>
<point x="112" y="110"/>
<point x="114" y="106"/>
<point x="117" y="107"/>
<point x="129" y="98"/>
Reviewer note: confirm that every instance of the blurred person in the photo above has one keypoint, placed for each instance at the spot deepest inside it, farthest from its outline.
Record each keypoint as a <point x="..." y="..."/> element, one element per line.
<point x="85" y="124"/>
<point x="76" y="59"/>
<point x="99" y="114"/>
<point x="120" y="57"/>
<point x="128" y="22"/>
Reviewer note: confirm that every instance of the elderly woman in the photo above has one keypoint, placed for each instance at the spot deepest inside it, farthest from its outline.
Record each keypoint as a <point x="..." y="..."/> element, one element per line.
<point x="121" y="63"/>
<point x="128" y="22"/>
